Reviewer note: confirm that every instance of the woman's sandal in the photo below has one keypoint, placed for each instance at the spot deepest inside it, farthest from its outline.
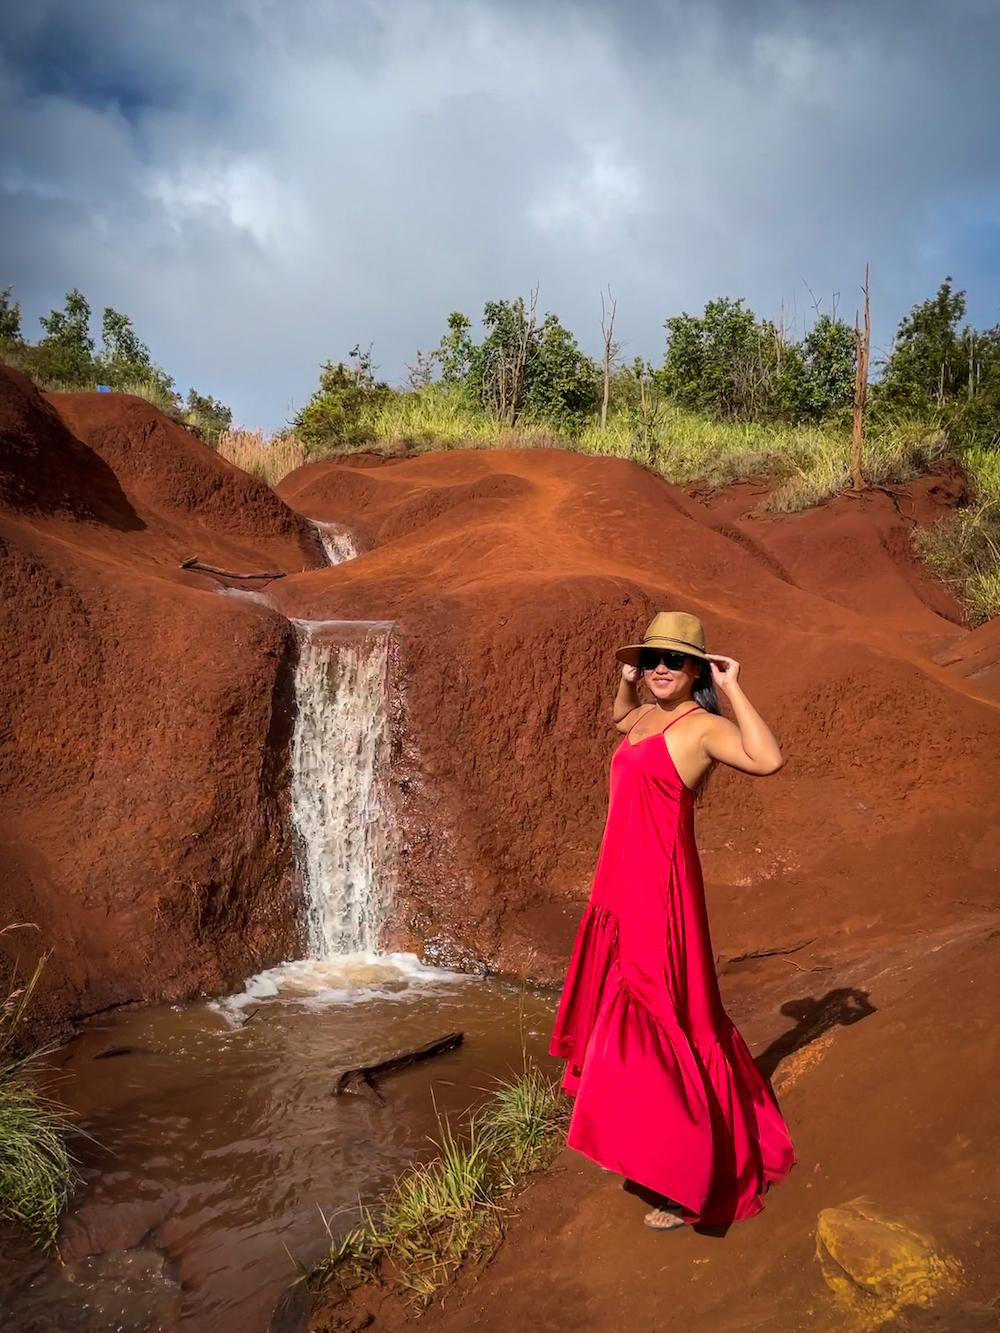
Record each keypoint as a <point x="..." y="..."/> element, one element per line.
<point x="664" y="1219"/>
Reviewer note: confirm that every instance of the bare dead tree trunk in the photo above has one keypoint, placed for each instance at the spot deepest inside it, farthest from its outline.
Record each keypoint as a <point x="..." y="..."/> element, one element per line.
<point x="972" y="362"/>
<point x="608" y="318"/>
<point x="863" y="349"/>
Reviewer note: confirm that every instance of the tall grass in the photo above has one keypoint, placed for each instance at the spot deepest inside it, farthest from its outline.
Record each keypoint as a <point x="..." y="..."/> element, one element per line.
<point x="269" y="458"/>
<point x="439" y="1213"/>
<point x="809" y="463"/>
<point x="36" y="1171"/>
<point x="963" y="550"/>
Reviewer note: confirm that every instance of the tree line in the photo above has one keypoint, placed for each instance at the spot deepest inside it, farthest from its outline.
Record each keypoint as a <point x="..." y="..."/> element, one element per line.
<point x="66" y="357"/>
<point x="523" y="367"/>
<point x="725" y="363"/>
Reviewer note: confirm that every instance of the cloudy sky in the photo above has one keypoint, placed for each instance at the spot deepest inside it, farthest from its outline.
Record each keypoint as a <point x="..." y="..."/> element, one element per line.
<point x="263" y="183"/>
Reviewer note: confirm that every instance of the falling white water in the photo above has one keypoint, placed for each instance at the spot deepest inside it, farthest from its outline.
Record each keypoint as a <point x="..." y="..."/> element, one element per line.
<point x="337" y="542"/>
<point x="342" y="822"/>
<point x="344" y="833"/>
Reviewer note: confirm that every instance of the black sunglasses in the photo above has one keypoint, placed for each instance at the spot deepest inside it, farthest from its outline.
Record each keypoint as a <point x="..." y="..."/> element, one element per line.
<point x="650" y="659"/>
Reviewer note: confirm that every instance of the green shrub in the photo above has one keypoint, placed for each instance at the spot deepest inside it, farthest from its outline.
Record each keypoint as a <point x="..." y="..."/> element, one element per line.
<point x="36" y="1171"/>
<point x="341" y="410"/>
<point x="963" y="549"/>
<point x="726" y="363"/>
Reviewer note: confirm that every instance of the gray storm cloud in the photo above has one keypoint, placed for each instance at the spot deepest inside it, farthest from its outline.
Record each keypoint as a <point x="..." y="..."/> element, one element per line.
<point x="263" y="185"/>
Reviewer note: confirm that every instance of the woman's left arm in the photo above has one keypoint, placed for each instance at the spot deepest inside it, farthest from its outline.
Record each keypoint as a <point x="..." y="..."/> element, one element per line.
<point x="749" y="745"/>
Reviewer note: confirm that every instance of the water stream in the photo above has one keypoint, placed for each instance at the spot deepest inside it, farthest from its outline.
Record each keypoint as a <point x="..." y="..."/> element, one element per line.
<point x="338" y="543"/>
<point x="217" y="1154"/>
<point x="342" y="820"/>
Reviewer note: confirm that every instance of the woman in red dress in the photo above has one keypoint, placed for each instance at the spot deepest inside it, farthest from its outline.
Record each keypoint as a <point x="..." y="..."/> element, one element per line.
<point x="666" y="1092"/>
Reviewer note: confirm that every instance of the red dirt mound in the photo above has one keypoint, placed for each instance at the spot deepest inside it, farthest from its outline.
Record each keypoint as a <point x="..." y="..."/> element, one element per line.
<point x="143" y="718"/>
<point x="511" y="575"/>
<point x="173" y="480"/>
<point x="853" y="897"/>
<point x="976" y="658"/>
<point x="44" y="469"/>
<point x="889" y="1110"/>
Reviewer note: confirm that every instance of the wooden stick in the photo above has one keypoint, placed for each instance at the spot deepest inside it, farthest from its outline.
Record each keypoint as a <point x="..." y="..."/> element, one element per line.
<point x="195" y="563"/>
<point x="361" y="1083"/>
<point x="863" y="347"/>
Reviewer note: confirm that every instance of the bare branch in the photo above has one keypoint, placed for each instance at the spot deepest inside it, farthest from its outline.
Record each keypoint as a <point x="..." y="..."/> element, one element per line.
<point x="863" y="349"/>
<point x="607" y="329"/>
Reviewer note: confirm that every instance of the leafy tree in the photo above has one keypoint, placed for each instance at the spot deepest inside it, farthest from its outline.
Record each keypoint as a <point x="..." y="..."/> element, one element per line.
<point x="126" y="364"/>
<point x="561" y="384"/>
<point x="10" y="318"/>
<point x="938" y="366"/>
<point x="816" y="375"/>
<point x="121" y="346"/>
<point x="929" y="363"/>
<point x="340" y="410"/>
<point x="456" y="350"/>
<point x="66" y="353"/>
<point x="65" y="358"/>
<point x="207" y="417"/>
<point x="723" y="363"/>
<point x="727" y="363"/>
<point x="522" y="369"/>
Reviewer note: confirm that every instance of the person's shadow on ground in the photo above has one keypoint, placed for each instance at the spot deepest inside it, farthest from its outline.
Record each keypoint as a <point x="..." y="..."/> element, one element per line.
<point x="837" y="1008"/>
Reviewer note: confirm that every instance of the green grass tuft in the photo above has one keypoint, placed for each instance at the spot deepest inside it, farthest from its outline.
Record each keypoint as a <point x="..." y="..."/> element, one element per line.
<point x="36" y="1170"/>
<point x="440" y="1213"/>
<point x="963" y="550"/>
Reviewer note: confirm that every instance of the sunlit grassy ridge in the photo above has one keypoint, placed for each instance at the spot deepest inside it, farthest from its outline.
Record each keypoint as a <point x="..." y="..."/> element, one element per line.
<point x="963" y="550"/>
<point x="809" y="463"/>
<point x="439" y="1213"/>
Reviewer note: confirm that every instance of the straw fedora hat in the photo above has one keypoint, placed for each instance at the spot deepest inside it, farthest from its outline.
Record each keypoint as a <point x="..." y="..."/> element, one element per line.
<point x="669" y="630"/>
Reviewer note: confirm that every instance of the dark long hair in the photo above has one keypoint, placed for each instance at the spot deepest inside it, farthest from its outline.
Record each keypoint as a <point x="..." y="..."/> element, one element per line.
<point x="703" y="692"/>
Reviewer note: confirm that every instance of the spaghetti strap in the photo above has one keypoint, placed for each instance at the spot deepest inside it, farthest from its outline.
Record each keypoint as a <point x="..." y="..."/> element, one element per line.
<point x="696" y="709"/>
<point x="641" y="710"/>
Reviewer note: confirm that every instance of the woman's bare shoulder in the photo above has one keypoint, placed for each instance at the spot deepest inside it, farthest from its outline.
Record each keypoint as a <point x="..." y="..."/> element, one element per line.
<point x="630" y="719"/>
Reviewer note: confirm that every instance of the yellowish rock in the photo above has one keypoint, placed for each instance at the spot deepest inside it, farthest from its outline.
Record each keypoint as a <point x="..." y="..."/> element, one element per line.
<point x="875" y="1266"/>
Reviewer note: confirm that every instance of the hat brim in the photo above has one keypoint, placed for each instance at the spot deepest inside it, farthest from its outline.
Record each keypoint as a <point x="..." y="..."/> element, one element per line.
<point x="630" y="653"/>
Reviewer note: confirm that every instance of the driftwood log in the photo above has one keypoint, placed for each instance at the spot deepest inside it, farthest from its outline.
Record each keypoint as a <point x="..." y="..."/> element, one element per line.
<point x="361" y="1081"/>
<point x="195" y="563"/>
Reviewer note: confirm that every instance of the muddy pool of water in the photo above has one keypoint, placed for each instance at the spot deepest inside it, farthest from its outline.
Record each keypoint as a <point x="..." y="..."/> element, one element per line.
<point x="216" y="1153"/>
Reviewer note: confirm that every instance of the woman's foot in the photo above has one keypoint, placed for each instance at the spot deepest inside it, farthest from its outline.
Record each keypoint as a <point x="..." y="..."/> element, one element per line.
<point x="664" y="1219"/>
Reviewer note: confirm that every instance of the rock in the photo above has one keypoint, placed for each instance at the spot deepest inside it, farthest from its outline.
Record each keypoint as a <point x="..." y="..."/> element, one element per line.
<point x="876" y="1266"/>
<point x="96" y="1229"/>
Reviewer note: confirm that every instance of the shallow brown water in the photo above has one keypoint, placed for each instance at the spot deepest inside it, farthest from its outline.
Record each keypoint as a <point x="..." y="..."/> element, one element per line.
<point x="226" y="1128"/>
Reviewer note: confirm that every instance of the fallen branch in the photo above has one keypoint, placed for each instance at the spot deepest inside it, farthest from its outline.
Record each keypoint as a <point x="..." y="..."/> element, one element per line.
<point x="195" y="563"/>
<point x="360" y="1081"/>
<point x="770" y="953"/>
<point x="109" y="1052"/>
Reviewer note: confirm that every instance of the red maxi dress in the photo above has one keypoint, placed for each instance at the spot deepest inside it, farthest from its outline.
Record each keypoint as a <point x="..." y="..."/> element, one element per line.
<point x="666" y="1091"/>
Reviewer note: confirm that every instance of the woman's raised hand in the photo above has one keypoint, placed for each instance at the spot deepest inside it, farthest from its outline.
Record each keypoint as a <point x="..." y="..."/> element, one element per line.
<point x="631" y="674"/>
<point x="725" y="671"/>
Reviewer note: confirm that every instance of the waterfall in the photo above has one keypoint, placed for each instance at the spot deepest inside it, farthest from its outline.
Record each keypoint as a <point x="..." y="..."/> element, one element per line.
<point x="342" y="821"/>
<point x="337" y="542"/>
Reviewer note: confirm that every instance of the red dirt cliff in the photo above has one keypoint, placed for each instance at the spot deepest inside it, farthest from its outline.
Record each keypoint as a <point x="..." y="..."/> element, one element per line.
<point x="512" y="575"/>
<point x="143" y="717"/>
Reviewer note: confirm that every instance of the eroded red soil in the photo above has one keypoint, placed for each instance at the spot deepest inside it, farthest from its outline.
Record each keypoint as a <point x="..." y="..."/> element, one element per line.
<point x="853" y="898"/>
<point x="513" y="575"/>
<point x="143" y="715"/>
<point x="142" y="780"/>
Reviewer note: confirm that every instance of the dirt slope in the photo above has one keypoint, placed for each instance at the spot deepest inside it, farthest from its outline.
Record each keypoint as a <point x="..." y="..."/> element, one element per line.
<point x="512" y="575"/>
<point x="885" y="1104"/>
<point x="142" y="716"/>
